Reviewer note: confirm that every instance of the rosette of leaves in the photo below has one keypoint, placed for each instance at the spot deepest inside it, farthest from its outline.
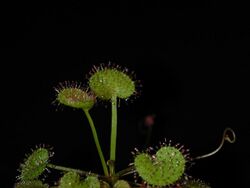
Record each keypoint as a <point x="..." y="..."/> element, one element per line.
<point x="165" y="168"/>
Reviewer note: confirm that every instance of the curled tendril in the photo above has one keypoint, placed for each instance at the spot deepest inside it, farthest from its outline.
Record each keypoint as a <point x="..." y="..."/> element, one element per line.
<point x="228" y="135"/>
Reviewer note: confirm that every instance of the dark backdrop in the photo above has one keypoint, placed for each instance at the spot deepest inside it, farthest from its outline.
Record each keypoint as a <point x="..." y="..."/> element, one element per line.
<point x="192" y="60"/>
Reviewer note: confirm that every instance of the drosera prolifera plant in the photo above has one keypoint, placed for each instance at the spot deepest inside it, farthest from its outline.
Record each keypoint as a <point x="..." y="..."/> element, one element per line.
<point x="162" y="166"/>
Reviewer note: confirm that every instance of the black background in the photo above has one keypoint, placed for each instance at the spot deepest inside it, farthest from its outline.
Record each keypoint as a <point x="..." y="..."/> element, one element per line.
<point x="192" y="59"/>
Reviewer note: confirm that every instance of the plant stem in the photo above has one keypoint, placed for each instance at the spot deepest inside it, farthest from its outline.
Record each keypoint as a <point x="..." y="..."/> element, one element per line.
<point x="81" y="172"/>
<point x="91" y="123"/>
<point x="113" y="128"/>
<point x="126" y="171"/>
<point x="225" y="137"/>
<point x="66" y="169"/>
